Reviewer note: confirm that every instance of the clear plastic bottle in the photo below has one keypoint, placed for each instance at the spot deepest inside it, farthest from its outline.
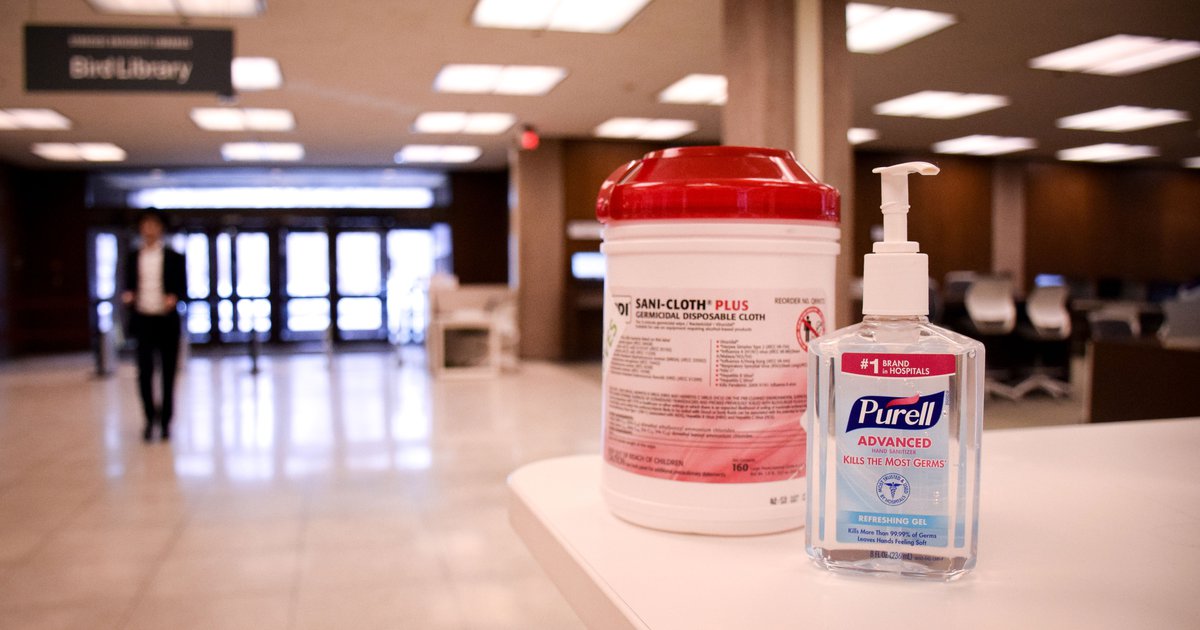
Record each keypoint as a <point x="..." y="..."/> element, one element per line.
<point x="895" y="411"/>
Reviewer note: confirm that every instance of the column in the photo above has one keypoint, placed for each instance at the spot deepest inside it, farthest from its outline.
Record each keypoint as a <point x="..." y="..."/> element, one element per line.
<point x="536" y="228"/>
<point x="789" y="87"/>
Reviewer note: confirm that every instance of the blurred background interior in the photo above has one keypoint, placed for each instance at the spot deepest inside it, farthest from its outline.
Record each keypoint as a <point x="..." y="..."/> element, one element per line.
<point x="395" y="287"/>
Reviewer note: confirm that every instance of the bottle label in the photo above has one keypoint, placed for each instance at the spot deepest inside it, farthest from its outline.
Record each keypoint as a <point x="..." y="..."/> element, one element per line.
<point x="893" y="445"/>
<point x="708" y="386"/>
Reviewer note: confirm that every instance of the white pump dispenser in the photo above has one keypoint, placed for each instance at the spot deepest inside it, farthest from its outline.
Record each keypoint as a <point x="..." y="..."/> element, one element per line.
<point x="894" y="380"/>
<point x="896" y="274"/>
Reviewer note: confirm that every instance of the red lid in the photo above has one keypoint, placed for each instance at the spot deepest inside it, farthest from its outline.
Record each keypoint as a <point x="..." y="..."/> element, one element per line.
<point x="716" y="183"/>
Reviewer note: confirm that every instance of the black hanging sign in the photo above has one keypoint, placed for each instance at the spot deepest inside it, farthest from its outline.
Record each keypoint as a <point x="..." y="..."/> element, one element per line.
<point x="86" y="58"/>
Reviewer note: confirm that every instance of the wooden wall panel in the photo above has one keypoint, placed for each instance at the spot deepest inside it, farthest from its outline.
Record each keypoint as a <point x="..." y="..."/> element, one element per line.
<point x="49" y="291"/>
<point x="8" y="253"/>
<point x="1108" y="221"/>
<point x="478" y="216"/>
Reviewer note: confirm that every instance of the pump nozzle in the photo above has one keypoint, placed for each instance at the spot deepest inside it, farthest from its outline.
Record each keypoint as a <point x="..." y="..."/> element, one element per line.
<point x="896" y="275"/>
<point x="894" y="181"/>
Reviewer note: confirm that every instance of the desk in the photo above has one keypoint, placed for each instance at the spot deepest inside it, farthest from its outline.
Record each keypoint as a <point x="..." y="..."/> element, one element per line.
<point x="1086" y="526"/>
<point x="1139" y="378"/>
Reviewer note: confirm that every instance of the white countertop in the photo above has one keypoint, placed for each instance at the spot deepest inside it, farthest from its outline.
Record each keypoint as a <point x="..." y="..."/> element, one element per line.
<point x="1087" y="526"/>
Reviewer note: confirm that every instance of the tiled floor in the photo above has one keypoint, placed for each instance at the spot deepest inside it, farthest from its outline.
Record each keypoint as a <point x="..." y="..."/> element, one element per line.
<point x="353" y="494"/>
<point x="361" y="496"/>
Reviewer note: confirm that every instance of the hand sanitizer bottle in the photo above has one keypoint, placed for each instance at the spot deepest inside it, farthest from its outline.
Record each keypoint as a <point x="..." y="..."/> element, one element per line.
<point x="895" y="410"/>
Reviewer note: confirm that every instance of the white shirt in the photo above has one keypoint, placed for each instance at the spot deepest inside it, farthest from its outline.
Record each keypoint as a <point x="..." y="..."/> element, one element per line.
<point x="150" y="299"/>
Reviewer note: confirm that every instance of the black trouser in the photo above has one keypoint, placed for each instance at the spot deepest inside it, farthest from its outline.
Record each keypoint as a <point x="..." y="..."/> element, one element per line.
<point x="157" y="336"/>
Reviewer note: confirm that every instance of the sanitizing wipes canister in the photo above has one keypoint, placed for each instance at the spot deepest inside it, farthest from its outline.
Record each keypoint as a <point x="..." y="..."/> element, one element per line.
<point x="720" y="273"/>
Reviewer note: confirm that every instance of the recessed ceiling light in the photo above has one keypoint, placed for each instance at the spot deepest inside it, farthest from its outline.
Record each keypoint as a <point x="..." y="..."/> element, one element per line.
<point x="463" y="122"/>
<point x="1123" y="118"/>
<point x="579" y="16"/>
<point x="871" y="28"/>
<point x="253" y="74"/>
<point x="248" y="119"/>
<point x="493" y="79"/>
<point x="438" y="154"/>
<point x="1119" y="55"/>
<point x="1192" y="162"/>
<point x="984" y="145"/>
<point x="198" y="8"/>
<point x="645" y="128"/>
<point x="935" y="104"/>
<point x="859" y="135"/>
<point x="1108" y="152"/>
<point x="702" y="89"/>
<point x="79" y="151"/>
<point x="262" y="151"/>
<point x="32" y="118"/>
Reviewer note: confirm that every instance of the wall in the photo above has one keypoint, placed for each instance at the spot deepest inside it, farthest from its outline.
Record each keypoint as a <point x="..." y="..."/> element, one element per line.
<point x="1113" y="221"/>
<point x="1087" y="221"/>
<point x="8" y="241"/>
<point x="478" y="217"/>
<point x="46" y="262"/>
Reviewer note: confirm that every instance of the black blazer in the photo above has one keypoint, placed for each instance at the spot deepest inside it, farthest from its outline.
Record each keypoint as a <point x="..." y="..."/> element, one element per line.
<point x="174" y="280"/>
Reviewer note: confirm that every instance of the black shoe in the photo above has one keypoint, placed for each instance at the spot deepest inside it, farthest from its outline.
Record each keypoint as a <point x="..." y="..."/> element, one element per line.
<point x="166" y="433"/>
<point x="147" y="433"/>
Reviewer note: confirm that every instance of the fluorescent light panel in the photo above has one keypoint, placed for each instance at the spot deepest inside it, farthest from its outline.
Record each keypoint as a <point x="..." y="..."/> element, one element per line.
<point x="196" y="8"/>
<point x="701" y="89"/>
<point x="239" y="119"/>
<point x="79" y="151"/>
<point x="482" y="123"/>
<point x="860" y="135"/>
<point x="1119" y="55"/>
<point x="1123" y="118"/>
<point x="645" y="128"/>
<point x="984" y="145"/>
<point x="942" y="105"/>
<point x="33" y="118"/>
<point x="174" y="198"/>
<point x="254" y="74"/>
<point x="578" y="16"/>
<point x="494" y="79"/>
<point x="1192" y="162"/>
<point x="875" y="29"/>
<point x="1107" y="152"/>
<point x="262" y="151"/>
<point x="438" y="154"/>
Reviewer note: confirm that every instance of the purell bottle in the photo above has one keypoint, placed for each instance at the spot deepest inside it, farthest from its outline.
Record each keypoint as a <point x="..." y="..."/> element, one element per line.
<point x="895" y="410"/>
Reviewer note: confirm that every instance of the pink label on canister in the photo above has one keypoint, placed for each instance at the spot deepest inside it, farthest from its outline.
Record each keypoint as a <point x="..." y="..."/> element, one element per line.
<point x="708" y="386"/>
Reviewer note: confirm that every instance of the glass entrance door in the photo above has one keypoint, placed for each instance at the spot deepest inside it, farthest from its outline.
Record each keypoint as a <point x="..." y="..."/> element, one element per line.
<point x="306" y="285"/>
<point x="360" y="292"/>
<point x="243" y="261"/>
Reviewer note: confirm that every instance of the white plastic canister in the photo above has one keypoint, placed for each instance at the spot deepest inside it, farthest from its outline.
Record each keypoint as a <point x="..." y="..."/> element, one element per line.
<point x="720" y="272"/>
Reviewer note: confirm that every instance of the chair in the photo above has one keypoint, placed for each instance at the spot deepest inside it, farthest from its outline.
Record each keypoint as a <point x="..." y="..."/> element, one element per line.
<point x="993" y="316"/>
<point x="1114" y="322"/>
<point x="1181" y="328"/>
<point x="1050" y="332"/>
<point x="472" y="329"/>
<point x="954" y="291"/>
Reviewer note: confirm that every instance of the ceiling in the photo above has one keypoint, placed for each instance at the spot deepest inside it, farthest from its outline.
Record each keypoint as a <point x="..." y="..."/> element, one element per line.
<point x="357" y="73"/>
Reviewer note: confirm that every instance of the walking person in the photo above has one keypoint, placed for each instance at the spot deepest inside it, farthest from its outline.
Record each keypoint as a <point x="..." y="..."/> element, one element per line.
<point x="155" y="282"/>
